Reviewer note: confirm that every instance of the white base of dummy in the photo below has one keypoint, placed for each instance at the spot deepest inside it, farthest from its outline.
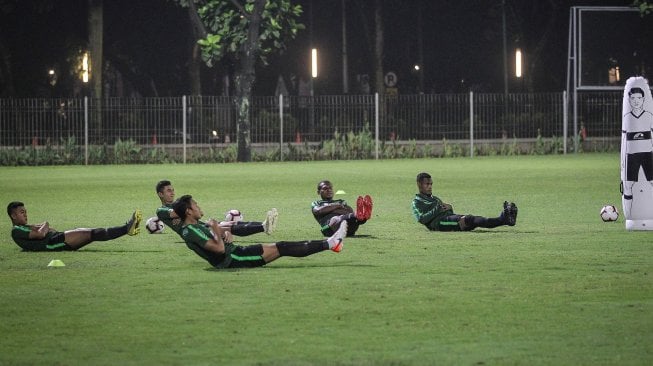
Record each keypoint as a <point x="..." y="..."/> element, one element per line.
<point x="639" y="224"/>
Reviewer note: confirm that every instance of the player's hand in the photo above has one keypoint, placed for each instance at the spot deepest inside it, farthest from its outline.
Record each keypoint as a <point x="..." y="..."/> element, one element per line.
<point x="227" y="237"/>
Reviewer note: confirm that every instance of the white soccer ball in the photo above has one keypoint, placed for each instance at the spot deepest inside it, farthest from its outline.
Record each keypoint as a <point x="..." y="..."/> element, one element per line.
<point x="233" y="215"/>
<point x="609" y="213"/>
<point x="154" y="225"/>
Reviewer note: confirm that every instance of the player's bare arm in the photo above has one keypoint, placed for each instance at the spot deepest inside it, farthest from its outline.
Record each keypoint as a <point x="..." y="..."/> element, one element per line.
<point x="39" y="230"/>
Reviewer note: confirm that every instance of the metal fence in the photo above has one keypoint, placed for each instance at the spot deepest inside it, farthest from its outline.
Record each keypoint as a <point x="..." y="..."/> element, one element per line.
<point x="208" y="120"/>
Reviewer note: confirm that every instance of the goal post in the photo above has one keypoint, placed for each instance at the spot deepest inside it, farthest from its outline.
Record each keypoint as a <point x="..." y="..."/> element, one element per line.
<point x="604" y="60"/>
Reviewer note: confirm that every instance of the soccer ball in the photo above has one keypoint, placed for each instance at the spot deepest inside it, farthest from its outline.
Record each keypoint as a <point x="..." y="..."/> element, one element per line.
<point x="233" y="215"/>
<point x="154" y="225"/>
<point x="609" y="213"/>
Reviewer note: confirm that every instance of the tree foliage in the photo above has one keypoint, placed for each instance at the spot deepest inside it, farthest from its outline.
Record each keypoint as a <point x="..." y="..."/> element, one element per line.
<point x="645" y="6"/>
<point x="227" y="25"/>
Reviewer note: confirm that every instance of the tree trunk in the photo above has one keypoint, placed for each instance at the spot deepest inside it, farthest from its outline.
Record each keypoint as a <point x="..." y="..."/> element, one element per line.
<point x="95" y="28"/>
<point x="195" y="62"/>
<point x="244" y="81"/>
<point x="95" y="36"/>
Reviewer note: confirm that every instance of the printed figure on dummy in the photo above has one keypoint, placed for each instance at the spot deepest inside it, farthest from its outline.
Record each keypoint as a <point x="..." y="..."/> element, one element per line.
<point x="637" y="155"/>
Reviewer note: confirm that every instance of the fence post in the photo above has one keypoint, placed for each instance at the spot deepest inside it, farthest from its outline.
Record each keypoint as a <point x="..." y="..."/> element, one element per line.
<point x="471" y="124"/>
<point x="376" y="126"/>
<point x="85" y="130"/>
<point x="280" y="126"/>
<point x="183" y="128"/>
<point x="565" y="122"/>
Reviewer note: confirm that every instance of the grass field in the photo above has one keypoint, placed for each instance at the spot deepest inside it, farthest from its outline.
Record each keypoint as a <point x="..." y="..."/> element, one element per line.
<point x="560" y="288"/>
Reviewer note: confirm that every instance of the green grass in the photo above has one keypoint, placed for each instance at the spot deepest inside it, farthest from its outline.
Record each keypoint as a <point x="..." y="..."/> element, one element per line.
<point x="561" y="287"/>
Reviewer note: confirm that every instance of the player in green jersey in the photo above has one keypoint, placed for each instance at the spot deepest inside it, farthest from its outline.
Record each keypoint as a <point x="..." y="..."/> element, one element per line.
<point x="165" y="213"/>
<point x="431" y="212"/>
<point x="213" y="243"/>
<point x="329" y="212"/>
<point x="42" y="238"/>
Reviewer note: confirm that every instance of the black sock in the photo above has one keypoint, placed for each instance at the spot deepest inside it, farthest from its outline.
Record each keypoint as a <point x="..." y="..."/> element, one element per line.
<point x="485" y="222"/>
<point x="101" y="234"/>
<point x="301" y="248"/>
<point x="247" y="228"/>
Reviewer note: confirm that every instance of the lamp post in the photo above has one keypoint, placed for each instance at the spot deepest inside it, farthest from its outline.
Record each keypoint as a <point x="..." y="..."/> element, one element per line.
<point x="518" y="63"/>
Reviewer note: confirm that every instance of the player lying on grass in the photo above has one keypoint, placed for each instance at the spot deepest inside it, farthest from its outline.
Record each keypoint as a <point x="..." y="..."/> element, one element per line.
<point x="42" y="238"/>
<point x="329" y="213"/>
<point x="431" y="212"/>
<point x="165" y="213"/>
<point x="213" y="243"/>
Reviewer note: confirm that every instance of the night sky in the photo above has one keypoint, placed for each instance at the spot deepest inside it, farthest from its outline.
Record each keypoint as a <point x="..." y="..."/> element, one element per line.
<point x="149" y="42"/>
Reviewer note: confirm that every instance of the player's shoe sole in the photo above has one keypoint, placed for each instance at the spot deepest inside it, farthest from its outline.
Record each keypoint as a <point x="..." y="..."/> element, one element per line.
<point x="367" y="202"/>
<point x="512" y="219"/>
<point x="338" y="238"/>
<point x="360" y="208"/>
<point x="270" y="223"/>
<point x="135" y="223"/>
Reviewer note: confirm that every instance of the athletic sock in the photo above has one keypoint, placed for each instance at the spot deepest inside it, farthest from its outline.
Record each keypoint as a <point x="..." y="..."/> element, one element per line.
<point x="488" y="223"/>
<point x="247" y="228"/>
<point x="301" y="248"/>
<point x="102" y="234"/>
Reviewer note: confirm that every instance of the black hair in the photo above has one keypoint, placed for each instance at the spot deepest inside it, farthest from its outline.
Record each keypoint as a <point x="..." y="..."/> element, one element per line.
<point x="636" y="90"/>
<point x="422" y="176"/>
<point x="161" y="184"/>
<point x="12" y="206"/>
<point x="323" y="182"/>
<point x="181" y="205"/>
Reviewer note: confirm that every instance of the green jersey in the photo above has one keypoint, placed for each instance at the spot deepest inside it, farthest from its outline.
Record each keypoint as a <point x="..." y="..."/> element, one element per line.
<point x="197" y="235"/>
<point x="163" y="213"/>
<point x="428" y="210"/>
<point x="53" y="240"/>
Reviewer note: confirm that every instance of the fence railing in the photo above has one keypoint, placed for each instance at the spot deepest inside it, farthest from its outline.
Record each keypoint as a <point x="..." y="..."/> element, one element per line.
<point x="209" y="120"/>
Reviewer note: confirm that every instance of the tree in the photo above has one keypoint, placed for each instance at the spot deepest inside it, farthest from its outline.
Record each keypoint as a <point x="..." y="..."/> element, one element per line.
<point x="246" y="31"/>
<point x="645" y="6"/>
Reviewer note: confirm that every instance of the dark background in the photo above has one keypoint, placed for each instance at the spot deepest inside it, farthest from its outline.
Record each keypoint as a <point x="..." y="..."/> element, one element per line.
<point x="147" y="43"/>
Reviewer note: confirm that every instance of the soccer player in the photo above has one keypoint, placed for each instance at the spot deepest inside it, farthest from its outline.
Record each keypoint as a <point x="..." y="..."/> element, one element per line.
<point x="329" y="213"/>
<point x="165" y="213"/>
<point x="42" y="238"/>
<point x="436" y="215"/>
<point x="213" y="243"/>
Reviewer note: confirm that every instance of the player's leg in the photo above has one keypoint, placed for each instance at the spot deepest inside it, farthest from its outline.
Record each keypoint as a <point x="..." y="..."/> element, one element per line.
<point x="352" y="223"/>
<point x="245" y="228"/>
<point x="78" y="238"/>
<point x="450" y="223"/>
<point x="306" y="248"/>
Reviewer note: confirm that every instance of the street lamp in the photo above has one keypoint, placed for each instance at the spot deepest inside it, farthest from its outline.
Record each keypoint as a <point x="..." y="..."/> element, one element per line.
<point x="314" y="62"/>
<point x="518" y="63"/>
<point x="85" y="68"/>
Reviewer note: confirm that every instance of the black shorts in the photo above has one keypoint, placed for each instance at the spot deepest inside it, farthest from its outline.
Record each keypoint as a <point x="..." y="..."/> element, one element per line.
<point x="246" y="257"/>
<point x="55" y="243"/>
<point x="449" y="223"/>
<point x="634" y="161"/>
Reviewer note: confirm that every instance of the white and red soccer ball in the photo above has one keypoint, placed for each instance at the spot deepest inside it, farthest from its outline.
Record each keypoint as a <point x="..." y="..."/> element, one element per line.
<point x="233" y="215"/>
<point x="154" y="225"/>
<point x="609" y="213"/>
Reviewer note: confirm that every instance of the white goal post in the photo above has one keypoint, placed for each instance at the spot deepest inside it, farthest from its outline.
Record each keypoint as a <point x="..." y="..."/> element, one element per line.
<point x="575" y="72"/>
